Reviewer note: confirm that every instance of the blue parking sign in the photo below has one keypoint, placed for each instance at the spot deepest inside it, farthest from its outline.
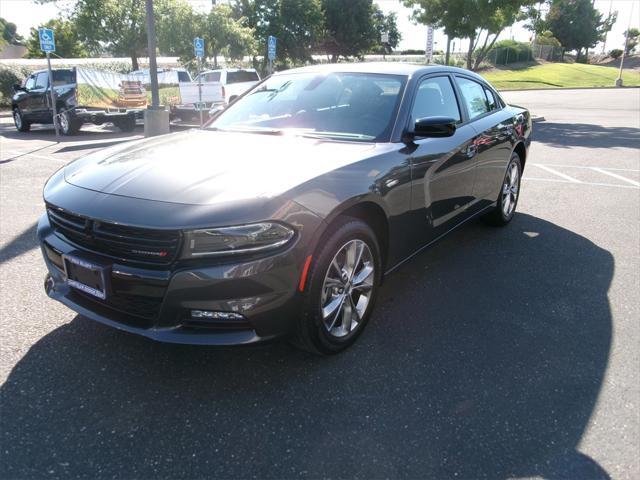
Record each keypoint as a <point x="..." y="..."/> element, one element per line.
<point x="271" y="51"/>
<point x="47" y="40"/>
<point x="198" y="47"/>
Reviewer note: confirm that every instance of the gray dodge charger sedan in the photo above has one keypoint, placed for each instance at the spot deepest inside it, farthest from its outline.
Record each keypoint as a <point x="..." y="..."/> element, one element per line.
<point x="284" y="214"/>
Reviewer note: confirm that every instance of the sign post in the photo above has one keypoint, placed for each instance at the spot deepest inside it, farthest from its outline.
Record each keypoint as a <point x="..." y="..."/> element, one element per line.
<point x="198" y="49"/>
<point x="48" y="45"/>
<point x="428" y="53"/>
<point x="271" y="51"/>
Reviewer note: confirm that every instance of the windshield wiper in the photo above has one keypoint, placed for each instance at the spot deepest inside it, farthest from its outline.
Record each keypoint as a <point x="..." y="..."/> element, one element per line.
<point x="263" y="131"/>
<point x="337" y="135"/>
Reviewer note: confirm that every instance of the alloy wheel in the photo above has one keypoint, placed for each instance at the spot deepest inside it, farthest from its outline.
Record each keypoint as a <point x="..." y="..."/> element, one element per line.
<point x="347" y="288"/>
<point x="17" y="118"/>
<point x="510" y="190"/>
<point x="63" y="118"/>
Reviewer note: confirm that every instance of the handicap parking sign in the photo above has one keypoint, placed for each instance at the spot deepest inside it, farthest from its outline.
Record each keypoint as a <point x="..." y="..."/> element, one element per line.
<point x="272" y="47"/>
<point x="47" y="40"/>
<point x="198" y="47"/>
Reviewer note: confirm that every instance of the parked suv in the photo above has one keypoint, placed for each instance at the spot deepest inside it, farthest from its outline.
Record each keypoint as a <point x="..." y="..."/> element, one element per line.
<point x="234" y="81"/>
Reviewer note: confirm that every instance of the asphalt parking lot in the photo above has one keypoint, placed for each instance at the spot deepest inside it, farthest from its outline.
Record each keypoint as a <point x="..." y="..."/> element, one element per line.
<point x="509" y="353"/>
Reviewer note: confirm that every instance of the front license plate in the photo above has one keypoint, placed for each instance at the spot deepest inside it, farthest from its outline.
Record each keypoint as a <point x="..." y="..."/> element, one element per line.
<point x="86" y="276"/>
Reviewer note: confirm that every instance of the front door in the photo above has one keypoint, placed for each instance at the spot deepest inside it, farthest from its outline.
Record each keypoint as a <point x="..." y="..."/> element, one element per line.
<point x="443" y="169"/>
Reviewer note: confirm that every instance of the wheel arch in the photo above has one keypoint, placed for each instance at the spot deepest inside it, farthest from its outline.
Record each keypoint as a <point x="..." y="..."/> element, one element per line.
<point x="521" y="150"/>
<point x="369" y="211"/>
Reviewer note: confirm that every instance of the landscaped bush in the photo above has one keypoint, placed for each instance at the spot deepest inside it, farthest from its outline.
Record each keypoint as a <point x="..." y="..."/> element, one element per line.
<point x="510" y="51"/>
<point x="615" y="53"/>
<point x="9" y="76"/>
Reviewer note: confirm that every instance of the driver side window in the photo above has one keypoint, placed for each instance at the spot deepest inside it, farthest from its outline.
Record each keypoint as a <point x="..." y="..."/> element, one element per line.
<point x="30" y="83"/>
<point x="435" y="98"/>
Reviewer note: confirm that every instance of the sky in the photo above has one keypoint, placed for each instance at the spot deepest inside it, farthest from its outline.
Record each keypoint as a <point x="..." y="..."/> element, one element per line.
<point x="26" y="14"/>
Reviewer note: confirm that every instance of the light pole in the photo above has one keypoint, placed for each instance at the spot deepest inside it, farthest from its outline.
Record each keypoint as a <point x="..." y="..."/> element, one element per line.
<point x="156" y="118"/>
<point x="619" y="82"/>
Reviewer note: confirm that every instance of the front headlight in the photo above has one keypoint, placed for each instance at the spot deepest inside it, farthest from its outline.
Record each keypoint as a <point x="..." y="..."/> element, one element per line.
<point x="256" y="237"/>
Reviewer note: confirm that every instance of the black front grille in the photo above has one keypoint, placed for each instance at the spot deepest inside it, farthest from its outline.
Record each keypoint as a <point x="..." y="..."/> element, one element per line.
<point x="133" y="305"/>
<point x="139" y="245"/>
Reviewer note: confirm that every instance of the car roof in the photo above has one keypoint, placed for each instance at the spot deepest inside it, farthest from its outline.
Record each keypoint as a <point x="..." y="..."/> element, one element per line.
<point x="230" y="70"/>
<point x="389" y="68"/>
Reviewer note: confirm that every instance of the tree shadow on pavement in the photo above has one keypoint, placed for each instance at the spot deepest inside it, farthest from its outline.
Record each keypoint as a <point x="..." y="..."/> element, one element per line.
<point x="567" y="135"/>
<point x="484" y="359"/>
<point x="18" y="245"/>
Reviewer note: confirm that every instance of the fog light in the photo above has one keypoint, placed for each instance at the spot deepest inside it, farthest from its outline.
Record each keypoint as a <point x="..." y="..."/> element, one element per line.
<point x="211" y="315"/>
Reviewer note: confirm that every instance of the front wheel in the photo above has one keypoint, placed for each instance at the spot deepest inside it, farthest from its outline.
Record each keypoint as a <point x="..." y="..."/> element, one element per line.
<point x="21" y="124"/>
<point x="341" y="289"/>
<point x="507" y="201"/>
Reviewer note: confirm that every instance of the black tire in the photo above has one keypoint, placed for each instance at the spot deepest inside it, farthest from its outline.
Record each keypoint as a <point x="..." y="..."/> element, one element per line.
<point x="68" y="123"/>
<point x="126" y="124"/>
<point x="497" y="216"/>
<point x="311" y="333"/>
<point x="21" y="124"/>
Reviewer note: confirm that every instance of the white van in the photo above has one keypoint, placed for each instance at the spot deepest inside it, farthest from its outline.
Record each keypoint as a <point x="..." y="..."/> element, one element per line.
<point x="234" y="81"/>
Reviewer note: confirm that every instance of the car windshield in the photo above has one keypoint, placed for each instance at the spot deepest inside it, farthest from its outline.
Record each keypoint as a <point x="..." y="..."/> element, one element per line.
<point x="345" y="106"/>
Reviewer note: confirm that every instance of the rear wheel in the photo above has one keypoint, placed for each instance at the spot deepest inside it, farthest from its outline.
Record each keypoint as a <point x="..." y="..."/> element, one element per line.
<point x="126" y="124"/>
<point x="507" y="201"/>
<point x="69" y="124"/>
<point x="21" y="124"/>
<point x="342" y="288"/>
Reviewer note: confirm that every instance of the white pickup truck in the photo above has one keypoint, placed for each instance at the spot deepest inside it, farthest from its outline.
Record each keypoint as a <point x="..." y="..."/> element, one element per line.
<point x="234" y="81"/>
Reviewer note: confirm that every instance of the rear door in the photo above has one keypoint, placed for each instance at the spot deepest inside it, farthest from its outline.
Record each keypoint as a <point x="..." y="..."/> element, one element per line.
<point x="494" y="127"/>
<point x="443" y="169"/>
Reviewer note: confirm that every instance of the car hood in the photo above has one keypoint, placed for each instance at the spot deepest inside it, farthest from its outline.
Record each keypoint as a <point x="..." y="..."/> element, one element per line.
<point x="202" y="167"/>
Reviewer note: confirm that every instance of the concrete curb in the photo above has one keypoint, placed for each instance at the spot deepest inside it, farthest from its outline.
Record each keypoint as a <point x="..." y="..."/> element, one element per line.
<point x="563" y="88"/>
<point x="537" y="118"/>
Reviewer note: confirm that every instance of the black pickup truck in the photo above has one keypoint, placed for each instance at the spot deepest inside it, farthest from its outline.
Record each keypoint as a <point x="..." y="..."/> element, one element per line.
<point x="32" y="104"/>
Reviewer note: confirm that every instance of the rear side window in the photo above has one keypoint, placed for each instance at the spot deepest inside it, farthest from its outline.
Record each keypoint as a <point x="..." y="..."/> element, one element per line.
<point x="492" y="101"/>
<point x="183" y="77"/>
<point x="435" y="98"/>
<point x="242" y="76"/>
<point x="63" y="77"/>
<point x="211" y="77"/>
<point x="473" y="97"/>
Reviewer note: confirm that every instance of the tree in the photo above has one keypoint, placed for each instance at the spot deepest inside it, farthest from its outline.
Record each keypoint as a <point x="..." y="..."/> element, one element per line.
<point x="385" y="24"/>
<point x="115" y="26"/>
<point x="471" y="20"/>
<point x="349" y="28"/>
<point x="295" y="23"/>
<point x="9" y="34"/>
<point x="547" y="38"/>
<point x="226" y="35"/>
<point x="577" y="24"/>
<point x="632" y="39"/>
<point x="68" y="44"/>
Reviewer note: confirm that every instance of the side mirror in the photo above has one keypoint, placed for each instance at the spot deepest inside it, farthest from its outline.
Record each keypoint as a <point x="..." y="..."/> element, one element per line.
<point x="437" y="127"/>
<point x="18" y="88"/>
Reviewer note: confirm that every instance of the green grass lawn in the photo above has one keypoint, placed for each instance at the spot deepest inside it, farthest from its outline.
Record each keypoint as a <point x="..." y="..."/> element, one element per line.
<point x="559" y="75"/>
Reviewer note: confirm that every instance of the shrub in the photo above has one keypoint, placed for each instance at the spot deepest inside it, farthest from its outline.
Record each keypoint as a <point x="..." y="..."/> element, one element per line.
<point x="615" y="53"/>
<point x="510" y="51"/>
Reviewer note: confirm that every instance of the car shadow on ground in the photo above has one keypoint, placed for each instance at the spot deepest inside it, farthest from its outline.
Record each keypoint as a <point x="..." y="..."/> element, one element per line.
<point x="567" y="135"/>
<point x="484" y="359"/>
<point x="20" y="244"/>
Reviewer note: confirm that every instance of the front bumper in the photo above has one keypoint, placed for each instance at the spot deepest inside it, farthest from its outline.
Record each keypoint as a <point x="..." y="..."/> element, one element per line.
<point x="156" y="303"/>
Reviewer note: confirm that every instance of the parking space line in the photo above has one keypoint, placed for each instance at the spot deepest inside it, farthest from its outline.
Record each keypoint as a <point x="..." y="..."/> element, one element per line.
<point x="595" y="184"/>
<point x="15" y="155"/>
<point x="615" y="175"/>
<point x="559" y="174"/>
<point x="588" y="168"/>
